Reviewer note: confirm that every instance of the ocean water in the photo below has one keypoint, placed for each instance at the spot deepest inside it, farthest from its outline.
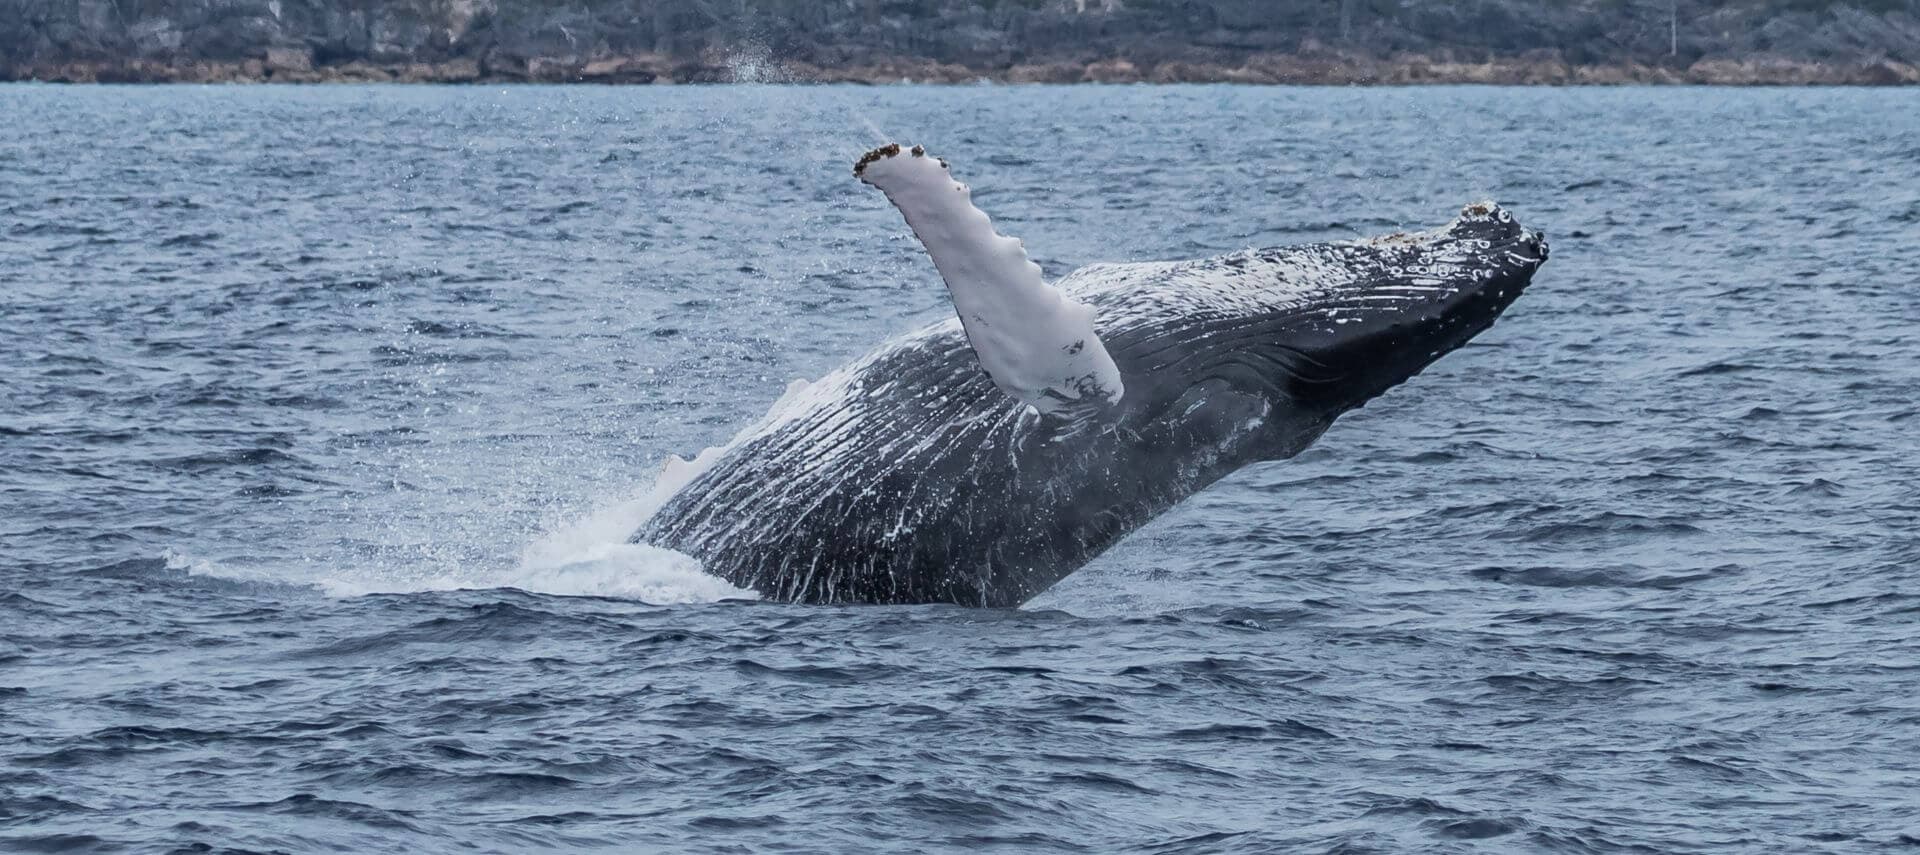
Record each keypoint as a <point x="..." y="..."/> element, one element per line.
<point x="324" y="413"/>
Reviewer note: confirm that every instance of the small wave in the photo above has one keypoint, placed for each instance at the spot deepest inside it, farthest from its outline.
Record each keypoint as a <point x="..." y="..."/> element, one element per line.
<point x="59" y="843"/>
<point x="805" y="673"/>
<point x="399" y="355"/>
<point x="309" y="805"/>
<point x="1719" y="367"/>
<point x="1616" y="577"/>
<point x="1602" y="525"/>
<point x="1478" y="828"/>
<point x="245" y="457"/>
<point x="192" y="240"/>
<point x="1099" y="781"/>
<point x="1817" y="487"/>
<point x="1381" y="804"/>
<point x="458" y="329"/>
<point x="1595" y="183"/>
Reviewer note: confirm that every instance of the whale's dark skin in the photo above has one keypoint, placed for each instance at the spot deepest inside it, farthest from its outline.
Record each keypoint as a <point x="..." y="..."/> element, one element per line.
<point x="909" y="477"/>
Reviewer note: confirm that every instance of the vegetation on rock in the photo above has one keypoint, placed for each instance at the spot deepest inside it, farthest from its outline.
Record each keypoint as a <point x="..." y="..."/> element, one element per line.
<point x="1545" y="41"/>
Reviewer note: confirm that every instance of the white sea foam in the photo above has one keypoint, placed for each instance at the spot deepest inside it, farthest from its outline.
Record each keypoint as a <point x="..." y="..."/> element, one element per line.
<point x="587" y="556"/>
<point x="591" y="557"/>
<point x="635" y="571"/>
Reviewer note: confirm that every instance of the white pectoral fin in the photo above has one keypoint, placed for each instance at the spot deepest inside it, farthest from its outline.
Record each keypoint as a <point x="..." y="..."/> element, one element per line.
<point x="1036" y="343"/>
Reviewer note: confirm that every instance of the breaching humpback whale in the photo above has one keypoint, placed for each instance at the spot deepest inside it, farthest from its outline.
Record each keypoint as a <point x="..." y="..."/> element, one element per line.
<point x="980" y="460"/>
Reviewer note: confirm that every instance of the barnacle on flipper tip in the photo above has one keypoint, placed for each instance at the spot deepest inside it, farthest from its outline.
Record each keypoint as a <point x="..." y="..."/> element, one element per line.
<point x="888" y="150"/>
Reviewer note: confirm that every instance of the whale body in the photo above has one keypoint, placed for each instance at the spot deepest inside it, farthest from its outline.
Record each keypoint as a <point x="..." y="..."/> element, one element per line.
<point x="981" y="459"/>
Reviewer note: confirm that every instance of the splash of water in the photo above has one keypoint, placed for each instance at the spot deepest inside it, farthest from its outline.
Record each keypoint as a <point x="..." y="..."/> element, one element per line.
<point x="753" y="62"/>
<point x="879" y="137"/>
<point x="589" y="556"/>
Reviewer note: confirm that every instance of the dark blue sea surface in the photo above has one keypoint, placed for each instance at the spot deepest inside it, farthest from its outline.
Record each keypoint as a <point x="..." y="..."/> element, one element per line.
<point x="322" y="411"/>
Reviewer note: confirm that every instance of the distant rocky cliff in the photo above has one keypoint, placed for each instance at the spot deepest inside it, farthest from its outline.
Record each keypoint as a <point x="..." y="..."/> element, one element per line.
<point x="640" y="41"/>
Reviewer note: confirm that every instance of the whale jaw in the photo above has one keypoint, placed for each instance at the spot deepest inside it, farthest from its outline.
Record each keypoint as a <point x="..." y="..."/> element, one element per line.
<point x="1419" y="304"/>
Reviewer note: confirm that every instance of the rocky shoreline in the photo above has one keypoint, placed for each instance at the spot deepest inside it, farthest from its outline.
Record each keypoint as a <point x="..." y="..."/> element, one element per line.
<point x="298" y="66"/>
<point x="1323" y="42"/>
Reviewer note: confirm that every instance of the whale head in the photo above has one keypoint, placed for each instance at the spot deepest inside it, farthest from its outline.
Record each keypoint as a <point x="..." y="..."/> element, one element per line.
<point x="1415" y="299"/>
<point x="1301" y="335"/>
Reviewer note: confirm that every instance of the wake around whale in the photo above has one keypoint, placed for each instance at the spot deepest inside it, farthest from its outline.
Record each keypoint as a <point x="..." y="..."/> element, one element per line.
<point x="980" y="460"/>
